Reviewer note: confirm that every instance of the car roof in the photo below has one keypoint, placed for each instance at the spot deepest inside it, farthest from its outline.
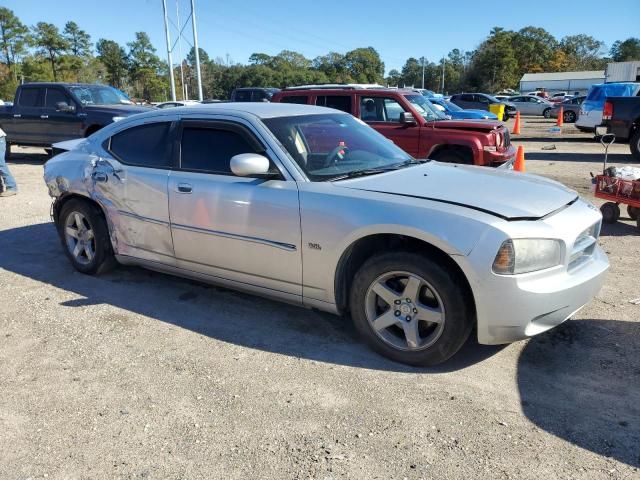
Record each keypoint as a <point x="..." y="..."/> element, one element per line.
<point x="256" y="109"/>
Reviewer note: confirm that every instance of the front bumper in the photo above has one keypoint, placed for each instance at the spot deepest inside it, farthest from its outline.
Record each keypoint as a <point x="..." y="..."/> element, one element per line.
<point x="496" y="159"/>
<point x="515" y="307"/>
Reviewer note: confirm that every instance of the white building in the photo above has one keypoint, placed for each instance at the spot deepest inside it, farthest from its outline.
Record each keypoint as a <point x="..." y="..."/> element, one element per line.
<point x="623" y="72"/>
<point x="569" y="82"/>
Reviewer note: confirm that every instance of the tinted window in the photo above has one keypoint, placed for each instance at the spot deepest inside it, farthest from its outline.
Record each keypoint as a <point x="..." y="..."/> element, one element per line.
<point x="145" y="146"/>
<point x="242" y="96"/>
<point x="301" y="99"/>
<point x="339" y="102"/>
<point x="30" y="97"/>
<point x="55" y="96"/>
<point x="260" y="95"/>
<point x="466" y="97"/>
<point x="211" y="149"/>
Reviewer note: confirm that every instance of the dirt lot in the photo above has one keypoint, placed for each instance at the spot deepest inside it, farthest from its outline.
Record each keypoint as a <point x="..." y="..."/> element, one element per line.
<point x="136" y="374"/>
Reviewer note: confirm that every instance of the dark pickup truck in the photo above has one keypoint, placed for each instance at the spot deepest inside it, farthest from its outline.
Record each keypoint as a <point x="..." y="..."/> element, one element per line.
<point x="45" y="113"/>
<point x="621" y="116"/>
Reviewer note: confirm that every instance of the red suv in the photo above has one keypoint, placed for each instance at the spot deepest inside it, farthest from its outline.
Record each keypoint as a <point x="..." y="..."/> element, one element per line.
<point x="408" y="119"/>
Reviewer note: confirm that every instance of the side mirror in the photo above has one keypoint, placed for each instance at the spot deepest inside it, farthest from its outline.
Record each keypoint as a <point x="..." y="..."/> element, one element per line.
<point x="65" y="107"/>
<point x="406" y="118"/>
<point x="249" y="165"/>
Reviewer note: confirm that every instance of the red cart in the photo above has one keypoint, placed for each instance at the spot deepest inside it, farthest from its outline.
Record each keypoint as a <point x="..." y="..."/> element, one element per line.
<point x="617" y="190"/>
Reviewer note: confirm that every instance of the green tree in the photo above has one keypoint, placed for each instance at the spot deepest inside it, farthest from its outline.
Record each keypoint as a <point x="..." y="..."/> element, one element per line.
<point x="115" y="61"/>
<point x="79" y="41"/>
<point x="13" y="40"/>
<point x="583" y="52"/>
<point x="365" y="65"/>
<point x="412" y="73"/>
<point x="627" y="50"/>
<point x="144" y="68"/>
<point x="494" y="65"/>
<point x="50" y="44"/>
<point x="533" y="47"/>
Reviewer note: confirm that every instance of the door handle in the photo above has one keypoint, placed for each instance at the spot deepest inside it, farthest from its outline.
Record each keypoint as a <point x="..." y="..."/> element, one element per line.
<point x="100" y="177"/>
<point x="16" y="115"/>
<point x="44" y="116"/>
<point x="184" y="188"/>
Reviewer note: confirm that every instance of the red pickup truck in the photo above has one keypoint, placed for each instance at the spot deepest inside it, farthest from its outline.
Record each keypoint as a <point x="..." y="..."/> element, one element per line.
<point x="408" y="119"/>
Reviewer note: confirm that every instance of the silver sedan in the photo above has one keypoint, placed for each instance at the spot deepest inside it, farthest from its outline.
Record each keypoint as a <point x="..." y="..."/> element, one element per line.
<point x="310" y="206"/>
<point x="532" y="105"/>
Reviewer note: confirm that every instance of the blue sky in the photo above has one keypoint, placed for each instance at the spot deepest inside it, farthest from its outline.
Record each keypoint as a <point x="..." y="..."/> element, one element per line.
<point x="239" y="28"/>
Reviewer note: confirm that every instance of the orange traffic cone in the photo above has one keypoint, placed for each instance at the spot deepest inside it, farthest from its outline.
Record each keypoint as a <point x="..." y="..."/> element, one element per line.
<point x="518" y="166"/>
<point x="516" y="126"/>
<point x="560" y="121"/>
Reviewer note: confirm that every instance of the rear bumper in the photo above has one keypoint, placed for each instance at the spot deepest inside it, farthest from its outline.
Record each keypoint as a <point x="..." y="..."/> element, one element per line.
<point x="497" y="159"/>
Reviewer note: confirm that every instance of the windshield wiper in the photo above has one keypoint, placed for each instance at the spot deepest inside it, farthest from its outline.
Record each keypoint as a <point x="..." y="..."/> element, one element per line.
<point x="375" y="171"/>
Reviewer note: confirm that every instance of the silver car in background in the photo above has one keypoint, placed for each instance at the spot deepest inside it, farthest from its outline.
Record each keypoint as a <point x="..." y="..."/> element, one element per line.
<point x="532" y="105"/>
<point x="311" y="206"/>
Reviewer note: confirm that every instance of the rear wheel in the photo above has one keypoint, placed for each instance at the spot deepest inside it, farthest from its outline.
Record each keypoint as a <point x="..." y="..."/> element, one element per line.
<point x="633" y="212"/>
<point x="505" y="117"/>
<point x="546" y="113"/>
<point x="569" y="117"/>
<point x="410" y="308"/>
<point x="634" y="144"/>
<point x="610" y="212"/>
<point x="85" y="237"/>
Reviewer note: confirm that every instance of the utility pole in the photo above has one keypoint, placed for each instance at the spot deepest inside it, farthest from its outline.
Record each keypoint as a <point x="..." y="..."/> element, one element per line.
<point x="170" y="63"/>
<point x="185" y="96"/>
<point x="195" y="47"/>
<point x="422" y="58"/>
<point x="443" y="62"/>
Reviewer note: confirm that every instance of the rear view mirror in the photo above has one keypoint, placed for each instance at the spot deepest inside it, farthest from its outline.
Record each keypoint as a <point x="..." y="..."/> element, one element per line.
<point x="249" y="165"/>
<point x="65" y="107"/>
<point x="406" y="118"/>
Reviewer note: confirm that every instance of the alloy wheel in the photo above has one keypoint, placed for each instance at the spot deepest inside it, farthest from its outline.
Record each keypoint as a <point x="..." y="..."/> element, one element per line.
<point x="405" y="311"/>
<point x="80" y="238"/>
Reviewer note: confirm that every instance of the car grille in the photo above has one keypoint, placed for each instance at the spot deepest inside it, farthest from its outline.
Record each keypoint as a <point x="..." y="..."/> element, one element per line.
<point x="584" y="246"/>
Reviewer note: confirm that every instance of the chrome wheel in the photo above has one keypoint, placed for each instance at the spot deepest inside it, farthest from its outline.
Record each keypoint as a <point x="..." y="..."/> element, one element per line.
<point x="80" y="238"/>
<point x="405" y="311"/>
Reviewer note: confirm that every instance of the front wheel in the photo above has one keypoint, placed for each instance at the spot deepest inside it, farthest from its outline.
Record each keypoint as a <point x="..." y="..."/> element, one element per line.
<point x="505" y="117"/>
<point x="634" y="144"/>
<point x="569" y="117"/>
<point x="546" y="113"/>
<point x="410" y="309"/>
<point x="633" y="212"/>
<point x="85" y="237"/>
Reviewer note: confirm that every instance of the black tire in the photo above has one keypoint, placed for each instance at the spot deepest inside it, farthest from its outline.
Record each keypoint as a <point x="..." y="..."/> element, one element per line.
<point x="456" y="305"/>
<point x="546" y="113"/>
<point x="634" y="144"/>
<point x="454" y="156"/>
<point x="633" y="212"/>
<point x="569" y="117"/>
<point x="505" y="117"/>
<point x="610" y="212"/>
<point x="102" y="259"/>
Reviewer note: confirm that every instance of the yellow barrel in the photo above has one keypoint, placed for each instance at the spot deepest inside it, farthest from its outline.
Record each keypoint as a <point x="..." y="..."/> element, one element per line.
<point x="498" y="109"/>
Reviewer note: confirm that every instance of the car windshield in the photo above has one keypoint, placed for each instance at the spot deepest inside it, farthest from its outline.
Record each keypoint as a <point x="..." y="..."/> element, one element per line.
<point x="452" y="107"/>
<point x="425" y="108"/>
<point x="333" y="146"/>
<point x="492" y="99"/>
<point x="100" y="95"/>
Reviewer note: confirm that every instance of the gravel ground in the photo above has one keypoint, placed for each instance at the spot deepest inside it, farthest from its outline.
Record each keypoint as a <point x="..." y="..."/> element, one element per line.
<point x="136" y="374"/>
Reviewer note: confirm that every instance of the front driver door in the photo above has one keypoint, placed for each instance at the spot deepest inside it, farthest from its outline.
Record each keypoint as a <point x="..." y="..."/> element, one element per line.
<point x="246" y="230"/>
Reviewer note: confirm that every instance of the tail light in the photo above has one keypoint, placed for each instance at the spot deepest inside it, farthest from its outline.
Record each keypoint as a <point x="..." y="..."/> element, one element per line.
<point x="607" y="111"/>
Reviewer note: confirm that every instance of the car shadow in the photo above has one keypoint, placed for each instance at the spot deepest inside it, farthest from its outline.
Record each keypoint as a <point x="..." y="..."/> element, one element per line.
<point x="35" y="252"/>
<point x="554" y="139"/>
<point x="581" y="382"/>
<point x="20" y="156"/>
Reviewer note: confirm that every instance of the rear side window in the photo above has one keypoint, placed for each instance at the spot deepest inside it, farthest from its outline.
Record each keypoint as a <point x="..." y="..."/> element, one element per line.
<point x="144" y="146"/>
<point x="210" y="149"/>
<point x="300" y="99"/>
<point x="30" y="97"/>
<point x="242" y="96"/>
<point x="466" y="97"/>
<point x="55" y="96"/>
<point x="339" y="102"/>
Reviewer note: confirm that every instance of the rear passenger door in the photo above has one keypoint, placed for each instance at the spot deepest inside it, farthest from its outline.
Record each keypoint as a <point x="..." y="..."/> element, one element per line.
<point x="338" y="102"/>
<point x="245" y="230"/>
<point x="28" y="127"/>
<point x="383" y="115"/>
<point x="59" y="125"/>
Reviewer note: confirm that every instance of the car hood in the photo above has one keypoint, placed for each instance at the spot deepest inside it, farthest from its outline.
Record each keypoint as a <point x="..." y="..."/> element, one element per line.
<point x="506" y="194"/>
<point x="485" y="125"/>
<point x="117" y="110"/>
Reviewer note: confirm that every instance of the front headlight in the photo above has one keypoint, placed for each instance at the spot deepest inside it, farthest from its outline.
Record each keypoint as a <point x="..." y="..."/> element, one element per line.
<point x="523" y="255"/>
<point x="116" y="119"/>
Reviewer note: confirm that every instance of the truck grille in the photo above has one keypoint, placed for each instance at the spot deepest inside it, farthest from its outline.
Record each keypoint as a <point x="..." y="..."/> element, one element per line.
<point x="584" y="246"/>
